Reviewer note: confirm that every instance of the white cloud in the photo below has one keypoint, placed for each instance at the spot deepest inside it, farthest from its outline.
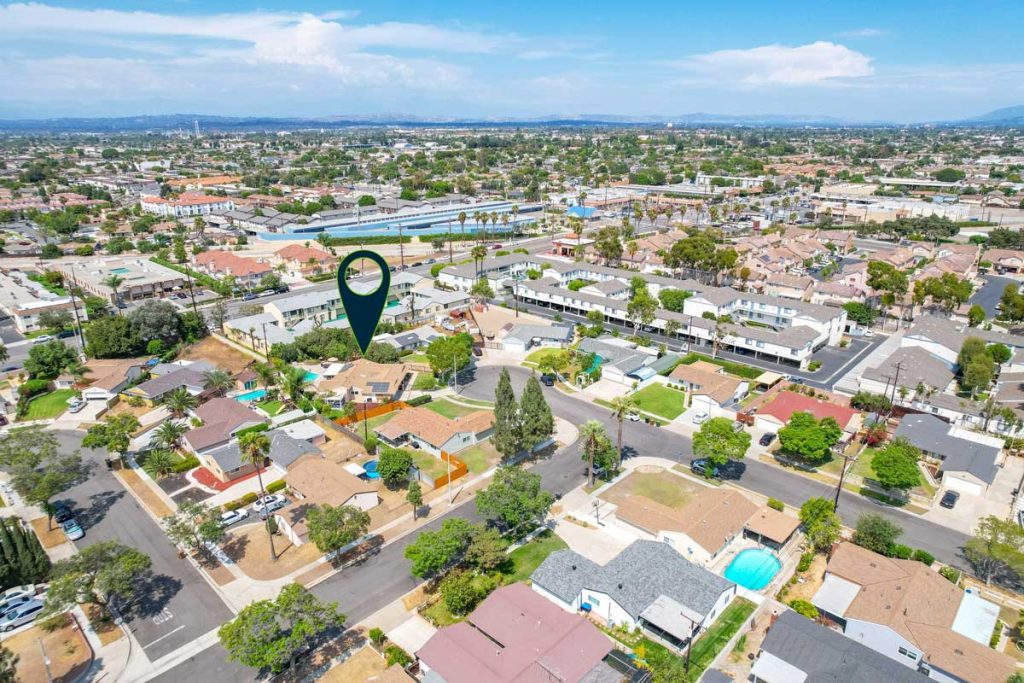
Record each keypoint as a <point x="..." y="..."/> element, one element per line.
<point x="863" y="33"/>
<point x="813" y="64"/>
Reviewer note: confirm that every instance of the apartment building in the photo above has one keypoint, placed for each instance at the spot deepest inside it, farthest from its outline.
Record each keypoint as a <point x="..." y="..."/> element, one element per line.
<point x="186" y="205"/>
<point x="25" y="300"/>
<point x="137" y="278"/>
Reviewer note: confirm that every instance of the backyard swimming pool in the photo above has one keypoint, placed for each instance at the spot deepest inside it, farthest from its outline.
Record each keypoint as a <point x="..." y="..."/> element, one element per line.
<point x="254" y="395"/>
<point x="371" y="470"/>
<point x="753" y="568"/>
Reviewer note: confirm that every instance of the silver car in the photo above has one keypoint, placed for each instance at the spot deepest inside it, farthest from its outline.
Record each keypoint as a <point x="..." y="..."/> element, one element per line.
<point x="21" y="615"/>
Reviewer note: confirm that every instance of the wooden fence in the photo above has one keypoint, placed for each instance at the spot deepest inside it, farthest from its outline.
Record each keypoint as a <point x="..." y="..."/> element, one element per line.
<point x="362" y="412"/>
<point x="459" y="469"/>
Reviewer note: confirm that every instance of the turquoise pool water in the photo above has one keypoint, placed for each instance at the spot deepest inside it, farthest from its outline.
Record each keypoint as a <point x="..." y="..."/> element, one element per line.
<point x="595" y="365"/>
<point x="311" y="376"/>
<point x="254" y="395"/>
<point x="371" y="470"/>
<point x="121" y="271"/>
<point x="753" y="568"/>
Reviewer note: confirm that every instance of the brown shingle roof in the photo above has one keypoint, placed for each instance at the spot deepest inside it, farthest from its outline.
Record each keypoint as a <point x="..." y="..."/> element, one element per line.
<point x="772" y="524"/>
<point x="718" y="385"/>
<point x="433" y="428"/>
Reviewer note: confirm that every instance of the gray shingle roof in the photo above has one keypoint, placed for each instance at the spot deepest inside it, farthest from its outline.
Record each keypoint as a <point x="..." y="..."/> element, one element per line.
<point x="917" y="366"/>
<point x="931" y="434"/>
<point x="829" y="656"/>
<point x="284" y="450"/>
<point x="635" y="578"/>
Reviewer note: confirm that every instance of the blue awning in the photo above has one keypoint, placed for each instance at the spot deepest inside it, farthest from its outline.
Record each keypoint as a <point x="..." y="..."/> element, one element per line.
<point x="586" y="607"/>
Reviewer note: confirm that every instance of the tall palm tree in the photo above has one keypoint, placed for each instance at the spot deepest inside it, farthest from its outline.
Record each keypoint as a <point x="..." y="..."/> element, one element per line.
<point x="114" y="281"/>
<point x="494" y="220"/>
<point x="169" y="434"/>
<point x="479" y="253"/>
<point x="593" y="434"/>
<point x="254" y="448"/>
<point x="462" y="225"/>
<point x="218" y="381"/>
<point x="621" y="406"/>
<point x="294" y="383"/>
<point x="179" y="402"/>
<point x="267" y="373"/>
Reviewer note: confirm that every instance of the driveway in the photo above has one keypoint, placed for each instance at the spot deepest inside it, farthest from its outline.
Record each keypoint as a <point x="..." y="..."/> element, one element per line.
<point x="178" y="605"/>
<point x="997" y="501"/>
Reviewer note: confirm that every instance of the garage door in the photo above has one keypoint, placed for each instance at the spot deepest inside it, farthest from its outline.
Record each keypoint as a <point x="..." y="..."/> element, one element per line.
<point x="962" y="485"/>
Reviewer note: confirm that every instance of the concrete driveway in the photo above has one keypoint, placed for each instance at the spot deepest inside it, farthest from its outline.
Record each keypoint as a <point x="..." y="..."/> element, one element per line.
<point x="969" y="509"/>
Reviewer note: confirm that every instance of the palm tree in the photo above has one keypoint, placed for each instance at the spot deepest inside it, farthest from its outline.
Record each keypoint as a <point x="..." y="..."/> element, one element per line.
<point x="218" y="381"/>
<point x="294" y="384"/>
<point x="159" y="463"/>
<point x="494" y="220"/>
<point x="179" y="402"/>
<point x="267" y="374"/>
<point x="254" y="448"/>
<point x="592" y="433"/>
<point x="621" y="406"/>
<point x="479" y="253"/>
<point x="169" y="434"/>
<point x="462" y="225"/>
<point x="114" y="281"/>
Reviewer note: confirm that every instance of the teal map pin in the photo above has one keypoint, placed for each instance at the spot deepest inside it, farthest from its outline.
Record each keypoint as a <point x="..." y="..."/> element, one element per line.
<point x="363" y="310"/>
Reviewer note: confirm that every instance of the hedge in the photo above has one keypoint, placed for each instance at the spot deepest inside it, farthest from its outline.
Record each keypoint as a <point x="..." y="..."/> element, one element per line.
<point x="420" y="400"/>
<point x="247" y="499"/>
<point x="189" y="463"/>
<point x="923" y="556"/>
<point x="251" y="430"/>
<point x="374" y="239"/>
<point x="275" y="486"/>
<point x="201" y="278"/>
<point x="33" y="387"/>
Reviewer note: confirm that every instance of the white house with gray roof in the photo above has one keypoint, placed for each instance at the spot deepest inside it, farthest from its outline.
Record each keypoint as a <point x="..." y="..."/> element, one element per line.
<point x="522" y="338"/>
<point x="969" y="461"/>
<point x="648" y="585"/>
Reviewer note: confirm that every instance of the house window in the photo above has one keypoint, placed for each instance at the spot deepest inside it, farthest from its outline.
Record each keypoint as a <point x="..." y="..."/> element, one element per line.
<point x="908" y="654"/>
<point x="593" y="601"/>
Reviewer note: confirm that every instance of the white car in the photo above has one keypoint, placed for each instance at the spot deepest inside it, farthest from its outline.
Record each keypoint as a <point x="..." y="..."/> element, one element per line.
<point x="21" y="615"/>
<point x="43" y="338"/>
<point x="233" y="516"/>
<point x="700" y="418"/>
<point x="633" y="417"/>
<point x="268" y="504"/>
<point x="75" y="404"/>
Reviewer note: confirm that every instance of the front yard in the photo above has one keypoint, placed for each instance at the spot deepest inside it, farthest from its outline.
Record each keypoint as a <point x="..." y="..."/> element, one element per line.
<point x="480" y="458"/>
<point x="540" y="354"/>
<point x="49" y="405"/>
<point x="449" y="409"/>
<point x="659" y="400"/>
<point x="661" y="487"/>
<point x="862" y="468"/>
<point x="59" y="655"/>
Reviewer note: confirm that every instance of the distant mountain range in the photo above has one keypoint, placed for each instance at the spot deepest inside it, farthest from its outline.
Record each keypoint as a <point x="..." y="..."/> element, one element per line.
<point x="1008" y="116"/>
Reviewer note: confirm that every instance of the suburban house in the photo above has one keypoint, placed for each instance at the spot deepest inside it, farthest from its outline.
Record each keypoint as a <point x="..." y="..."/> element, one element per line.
<point x="221" y="264"/>
<point x="648" y="586"/>
<point x="300" y="261"/>
<point x="410" y="340"/>
<point x="909" y="613"/>
<point x="226" y="463"/>
<point x="788" y="286"/>
<point x="108" y="378"/>
<point x="699" y="531"/>
<point x="363" y="381"/>
<point x="1005" y="260"/>
<point x="771" y="527"/>
<point x="909" y="368"/>
<point x="423" y="428"/>
<point x="522" y="338"/>
<point x="774" y="413"/>
<point x="969" y="462"/>
<point x="709" y="386"/>
<point x="799" y="649"/>
<point x="314" y="481"/>
<point x="222" y="418"/>
<point x="168" y="377"/>
<point x="514" y="636"/>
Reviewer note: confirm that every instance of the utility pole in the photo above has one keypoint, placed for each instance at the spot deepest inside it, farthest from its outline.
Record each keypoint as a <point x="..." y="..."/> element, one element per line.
<point x="401" y="246"/>
<point x="74" y="309"/>
<point x="266" y="346"/>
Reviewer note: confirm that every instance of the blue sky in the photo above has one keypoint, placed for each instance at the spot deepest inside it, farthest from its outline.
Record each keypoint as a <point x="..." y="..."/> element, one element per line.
<point x="864" y="60"/>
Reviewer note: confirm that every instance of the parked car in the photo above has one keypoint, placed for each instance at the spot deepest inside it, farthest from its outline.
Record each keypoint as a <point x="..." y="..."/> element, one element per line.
<point x="61" y="512"/>
<point x="949" y="499"/>
<point x="233" y="516"/>
<point x="264" y="506"/>
<point x="766" y="439"/>
<point x="72" y="530"/>
<point x="21" y="615"/>
<point x="700" y="418"/>
<point x="633" y="417"/>
<point x="248" y="296"/>
<point x="477" y="351"/>
<point x="16" y="596"/>
<point x="700" y="466"/>
<point x="75" y="404"/>
<point x="14" y="603"/>
<point x="547" y="379"/>
<point x="43" y="338"/>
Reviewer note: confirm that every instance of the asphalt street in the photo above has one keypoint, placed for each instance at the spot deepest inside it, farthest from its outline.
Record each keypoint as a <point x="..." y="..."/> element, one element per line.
<point x="177" y="605"/>
<point x="991" y="292"/>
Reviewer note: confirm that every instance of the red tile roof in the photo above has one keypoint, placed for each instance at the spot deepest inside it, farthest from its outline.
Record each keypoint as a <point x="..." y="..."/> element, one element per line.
<point x="788" y="402"/>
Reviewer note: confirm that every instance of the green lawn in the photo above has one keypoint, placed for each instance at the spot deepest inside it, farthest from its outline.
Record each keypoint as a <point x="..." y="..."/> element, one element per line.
<point x="49" y="405"/>
<point x="416" y="358"/>
<point x="526" y="559"/>
<point x="480" y="457"/>
<point x="272" y="407"/>
<point x="717" y="637"/>
<point x="540" y="354"/>
<point x="863" y="469"/>
<point x="428" y="464"/>
<point x="672" y="491"/>
<point x="449" y="409"/>
<point x="373" y="422"/>
<point x="661" y="401"/>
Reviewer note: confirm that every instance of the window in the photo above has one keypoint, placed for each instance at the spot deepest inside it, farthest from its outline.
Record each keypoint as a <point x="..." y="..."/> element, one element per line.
<point x="593" y="601"/>
<point x="908" y="654"/>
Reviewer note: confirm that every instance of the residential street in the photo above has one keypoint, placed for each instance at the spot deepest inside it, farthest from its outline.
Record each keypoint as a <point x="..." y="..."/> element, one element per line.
<point x="179" y="605"/>
<point x="991" y="292"/>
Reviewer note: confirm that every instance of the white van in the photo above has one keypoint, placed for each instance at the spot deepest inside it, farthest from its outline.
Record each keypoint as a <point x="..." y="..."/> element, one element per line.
<point x="700" y="418"/>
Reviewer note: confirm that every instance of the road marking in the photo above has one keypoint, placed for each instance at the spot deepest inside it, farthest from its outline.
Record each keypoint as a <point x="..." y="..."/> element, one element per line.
<point x="169" y="633"/>
<point x="164" y="616"/>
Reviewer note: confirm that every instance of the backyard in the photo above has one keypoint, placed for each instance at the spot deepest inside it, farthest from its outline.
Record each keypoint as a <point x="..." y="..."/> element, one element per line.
<point x="449" y="409"/>
<point x="661" y="487"/>
<point x="271" y="408"/>
<point x="431" y="467"/>
<point x="659" y="400"/>
<point x="49" y="405"/>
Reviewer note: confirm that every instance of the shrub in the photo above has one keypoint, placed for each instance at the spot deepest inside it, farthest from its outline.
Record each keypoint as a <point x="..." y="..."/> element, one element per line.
<point x="923" y="556"/>
<point x="901" y="552"/>
<point x="247" y="499"/>
<point x="376" y="636"/>
<point x="275" y="486"/>
<point x="950" y="573"/>
<point x="776" y="504"/>
<point x="460" y="593"/>
<point x="420" y="400"/>
<point x="804" y="608"/>
<point x="189" y="463"/>
<point x="396" y="655"/>
<point x="805" y="562"/>
<point x="370" y="444"/>
<point x="33" y="387"/>
<point x="843" y="343"/>
<point x="814" y="365"/>
<point x="436" y="269"/>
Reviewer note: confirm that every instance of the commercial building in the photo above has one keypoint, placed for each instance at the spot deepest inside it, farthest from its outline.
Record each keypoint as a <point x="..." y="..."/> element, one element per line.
<point x="25" y="300"/>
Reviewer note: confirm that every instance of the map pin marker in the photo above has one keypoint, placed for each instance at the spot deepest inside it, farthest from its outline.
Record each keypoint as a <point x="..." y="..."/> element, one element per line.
<point x="364" y="310"/>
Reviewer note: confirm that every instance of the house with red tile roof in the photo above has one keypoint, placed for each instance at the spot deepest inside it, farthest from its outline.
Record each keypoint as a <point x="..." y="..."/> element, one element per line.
<point x="516" y="635"/>
<point x="220" y="264"/>
<point x="774" y="413"/>
<point x="300" y="260"/>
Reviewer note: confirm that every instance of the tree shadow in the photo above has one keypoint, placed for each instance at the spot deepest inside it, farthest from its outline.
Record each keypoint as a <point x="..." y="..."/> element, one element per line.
<point x="99" y="505"/>
<point x="153" y="592"/>
<point x="235" y="546"/>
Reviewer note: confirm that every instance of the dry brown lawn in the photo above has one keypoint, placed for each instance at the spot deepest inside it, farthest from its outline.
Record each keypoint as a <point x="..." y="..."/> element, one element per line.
<point x="107" y="631"/>
<point x="249" y="547"/>
<point x="359" y="667"/>
<point x="49" y="538"/>
<point x="66" y="648"/>
<point x="661" y="486"/>
<point x="812" y="580"/>
<point x="134" y="482"/>
<point x="122" y="408"/>
<point x="340" y="449"/>
<point x="218" y="353"/>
